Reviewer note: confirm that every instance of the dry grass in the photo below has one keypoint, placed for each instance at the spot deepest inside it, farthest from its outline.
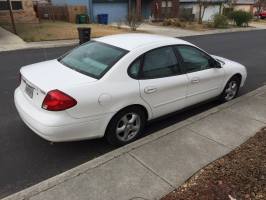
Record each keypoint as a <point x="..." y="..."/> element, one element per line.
<point x="198" y="27"/>
<point x="48" y="30"/>
<point x="259" y="21"/>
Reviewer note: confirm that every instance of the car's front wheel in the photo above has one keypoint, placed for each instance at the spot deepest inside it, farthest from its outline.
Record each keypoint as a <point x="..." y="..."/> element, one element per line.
<point x="231" y="89"/>
<point x="126" y="126"/>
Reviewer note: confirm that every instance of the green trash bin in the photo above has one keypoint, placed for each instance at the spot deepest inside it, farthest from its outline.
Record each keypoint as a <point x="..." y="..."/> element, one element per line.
<point x="81" y="19"/>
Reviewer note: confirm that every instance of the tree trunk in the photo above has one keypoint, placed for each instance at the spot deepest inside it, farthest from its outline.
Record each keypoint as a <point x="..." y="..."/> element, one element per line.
<point x="200" y="19"/>
<point x="12" y="17"/>
<point x="220" y="8"/>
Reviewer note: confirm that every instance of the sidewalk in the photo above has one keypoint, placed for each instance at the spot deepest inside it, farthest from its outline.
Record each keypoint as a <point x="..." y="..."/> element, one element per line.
<point x="155" y="165"/>
<point x="179" y="32"/>
<point x="9" y="41"/>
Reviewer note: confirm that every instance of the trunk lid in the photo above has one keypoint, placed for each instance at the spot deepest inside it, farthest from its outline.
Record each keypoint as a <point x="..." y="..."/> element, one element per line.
<point x="40" y="78"/>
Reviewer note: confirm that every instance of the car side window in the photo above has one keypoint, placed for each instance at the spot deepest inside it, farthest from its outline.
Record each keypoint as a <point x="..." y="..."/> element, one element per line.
<point x="134" y="68"/>
<point x="158" y="63"/>
<point x="193" y="59"/>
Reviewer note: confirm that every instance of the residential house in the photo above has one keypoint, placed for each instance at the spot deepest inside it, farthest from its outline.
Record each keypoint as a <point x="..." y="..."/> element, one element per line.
<point x="160" y="9"/>
<point x="246" y="5"/>
<point x="214" y="7"/>
<point x="117" y="10"/>
<point x="42" y="2"/>
<point x="22" y="10"/>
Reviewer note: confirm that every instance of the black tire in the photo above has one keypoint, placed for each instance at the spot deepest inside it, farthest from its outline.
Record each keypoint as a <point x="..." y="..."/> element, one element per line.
<point x="225" y="97"/>
<point x="111" y="134"/>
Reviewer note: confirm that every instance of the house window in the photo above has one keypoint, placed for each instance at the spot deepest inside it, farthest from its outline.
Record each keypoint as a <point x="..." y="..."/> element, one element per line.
<point x="15" y="5"/>
<point x="166" y="7"/>
<point x="163" y="4"/>
<point x="3" y="5"/>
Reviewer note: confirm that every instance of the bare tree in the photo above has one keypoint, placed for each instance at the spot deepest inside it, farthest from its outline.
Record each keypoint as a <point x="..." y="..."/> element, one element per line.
<point x="133" y="20"/>
<point x="203" y="4"/>
<point x="259" y="4"/>
<point x="119" y="24"/>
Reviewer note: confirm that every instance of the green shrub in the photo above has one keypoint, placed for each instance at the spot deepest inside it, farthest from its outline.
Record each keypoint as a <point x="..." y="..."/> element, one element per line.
<point x="241" y="17"/>
<point x="220" y="21"/>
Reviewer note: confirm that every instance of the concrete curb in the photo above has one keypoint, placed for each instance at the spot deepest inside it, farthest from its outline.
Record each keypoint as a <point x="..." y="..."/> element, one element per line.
<point x="42" y="45"/>
<point x="210" y="32"/>
<point x="56" y="180"/>
<point x="52" y="44"/>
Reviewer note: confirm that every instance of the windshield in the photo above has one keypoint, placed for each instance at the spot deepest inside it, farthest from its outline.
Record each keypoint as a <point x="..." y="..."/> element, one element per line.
<point x="93" y="59"/>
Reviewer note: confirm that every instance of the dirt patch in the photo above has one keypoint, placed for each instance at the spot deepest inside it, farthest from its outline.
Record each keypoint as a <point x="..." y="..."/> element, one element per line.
<point x="239" y="175"/>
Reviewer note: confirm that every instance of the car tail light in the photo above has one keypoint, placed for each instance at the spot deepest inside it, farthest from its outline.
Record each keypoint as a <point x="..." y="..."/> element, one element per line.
<point x="56" y="100"/>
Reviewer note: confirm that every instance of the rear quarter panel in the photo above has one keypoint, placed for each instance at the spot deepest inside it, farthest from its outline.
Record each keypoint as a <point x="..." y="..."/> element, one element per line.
<point x="113" y="92"/>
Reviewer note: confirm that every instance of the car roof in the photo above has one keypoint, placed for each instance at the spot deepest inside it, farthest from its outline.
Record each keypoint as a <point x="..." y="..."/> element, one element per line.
<point x="132" y="41"/>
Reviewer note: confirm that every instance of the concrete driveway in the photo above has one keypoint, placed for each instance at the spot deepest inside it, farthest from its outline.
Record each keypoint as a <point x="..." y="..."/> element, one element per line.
<point x="10" y="41"/>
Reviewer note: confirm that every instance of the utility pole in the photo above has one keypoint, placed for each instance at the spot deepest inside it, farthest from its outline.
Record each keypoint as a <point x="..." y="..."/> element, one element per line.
<point x="12" y="17"/>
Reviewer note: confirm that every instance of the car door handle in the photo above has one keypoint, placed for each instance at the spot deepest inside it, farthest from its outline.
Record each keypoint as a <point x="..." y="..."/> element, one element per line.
<point x="195" y="80"/>
<point x="149" y="90"/>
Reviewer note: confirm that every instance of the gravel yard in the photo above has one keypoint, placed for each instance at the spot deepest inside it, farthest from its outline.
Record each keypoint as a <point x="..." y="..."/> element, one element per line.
<point x="239" y="175"/>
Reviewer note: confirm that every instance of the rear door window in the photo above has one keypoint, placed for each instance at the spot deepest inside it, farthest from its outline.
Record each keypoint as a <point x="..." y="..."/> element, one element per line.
<point x="161" y="62"/>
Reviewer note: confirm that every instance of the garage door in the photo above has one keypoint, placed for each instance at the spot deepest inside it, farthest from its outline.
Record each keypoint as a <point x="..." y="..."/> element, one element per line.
<point x="116" y="11"/>
<point x="210" y="12"/>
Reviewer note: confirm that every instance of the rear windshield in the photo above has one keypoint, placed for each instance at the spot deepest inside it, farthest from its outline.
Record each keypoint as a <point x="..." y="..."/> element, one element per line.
<point x="93" y="59"/>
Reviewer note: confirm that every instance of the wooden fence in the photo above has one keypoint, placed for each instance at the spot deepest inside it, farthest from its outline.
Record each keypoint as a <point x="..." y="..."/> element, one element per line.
<point x="61" y="13"/>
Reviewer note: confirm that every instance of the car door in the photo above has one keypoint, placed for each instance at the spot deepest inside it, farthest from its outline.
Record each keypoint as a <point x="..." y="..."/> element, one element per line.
<point x="162" y="85"/>
<point x="205" y="79"/>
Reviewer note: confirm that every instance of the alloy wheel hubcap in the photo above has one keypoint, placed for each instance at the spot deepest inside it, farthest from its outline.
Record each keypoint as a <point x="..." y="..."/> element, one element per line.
<point x="128" y="127"/>
<point x="231" y="90"/>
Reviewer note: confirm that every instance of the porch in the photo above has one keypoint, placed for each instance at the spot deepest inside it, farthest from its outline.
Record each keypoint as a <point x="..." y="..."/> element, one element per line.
<point x="154" y="9"/>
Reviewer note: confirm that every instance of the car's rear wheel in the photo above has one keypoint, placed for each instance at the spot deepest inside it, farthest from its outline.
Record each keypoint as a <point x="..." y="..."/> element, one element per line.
<point x="126" y="126"/>
<point x="231" y="89"/>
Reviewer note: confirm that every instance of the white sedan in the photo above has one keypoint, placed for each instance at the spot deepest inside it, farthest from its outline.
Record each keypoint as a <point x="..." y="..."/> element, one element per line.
<point x="110" y="87"/>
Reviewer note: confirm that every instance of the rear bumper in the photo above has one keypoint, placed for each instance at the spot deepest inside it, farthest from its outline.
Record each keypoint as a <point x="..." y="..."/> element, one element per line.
<point x="59" y="126"/>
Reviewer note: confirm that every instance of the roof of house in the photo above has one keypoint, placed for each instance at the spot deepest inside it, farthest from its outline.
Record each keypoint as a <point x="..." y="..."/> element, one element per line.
<point x="247" y="2"/>
<point x="241" y="2"/>
<point x="135" y="40"/>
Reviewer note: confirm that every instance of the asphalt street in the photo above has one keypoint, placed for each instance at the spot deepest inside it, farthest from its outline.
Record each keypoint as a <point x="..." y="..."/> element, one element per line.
<point x="26" y="159"/>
